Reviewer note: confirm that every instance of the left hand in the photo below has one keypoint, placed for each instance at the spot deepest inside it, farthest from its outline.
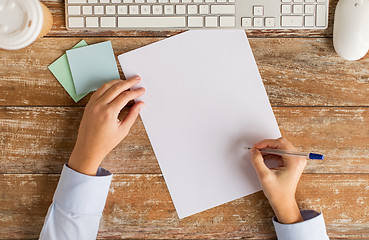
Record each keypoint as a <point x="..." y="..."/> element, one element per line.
<point x="100" y="129"/>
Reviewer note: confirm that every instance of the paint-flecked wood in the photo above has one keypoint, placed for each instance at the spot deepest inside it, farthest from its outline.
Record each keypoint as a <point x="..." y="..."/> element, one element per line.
<point x="296" y="72"/>
<point x="57" y="9"/>
<point x="139" y="207"/>
<point x="40" y="139"/>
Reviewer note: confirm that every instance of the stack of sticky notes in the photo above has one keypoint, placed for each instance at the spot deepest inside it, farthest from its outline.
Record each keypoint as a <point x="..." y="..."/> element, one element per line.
<point x="85" y="68"/>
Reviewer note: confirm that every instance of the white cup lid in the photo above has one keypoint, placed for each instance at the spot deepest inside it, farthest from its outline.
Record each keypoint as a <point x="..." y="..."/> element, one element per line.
<point x="20" y="23"/>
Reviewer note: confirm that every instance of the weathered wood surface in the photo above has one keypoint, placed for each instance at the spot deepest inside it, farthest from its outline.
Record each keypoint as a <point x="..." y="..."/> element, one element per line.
<point x="40" y="139"/>
<point x="320" y="102"/>
<point x="139" y="206"/>
<point x="57" y="9"/>
<point x="296" y="72"/>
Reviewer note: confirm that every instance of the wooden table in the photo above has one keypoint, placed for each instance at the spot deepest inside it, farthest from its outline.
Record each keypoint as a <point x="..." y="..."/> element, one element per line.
<point x="320" y="102"/>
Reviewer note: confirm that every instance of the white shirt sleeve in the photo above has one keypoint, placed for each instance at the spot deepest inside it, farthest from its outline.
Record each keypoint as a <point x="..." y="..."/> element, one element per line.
<point x="77" y="205"/>
<point x="312" y="228"/>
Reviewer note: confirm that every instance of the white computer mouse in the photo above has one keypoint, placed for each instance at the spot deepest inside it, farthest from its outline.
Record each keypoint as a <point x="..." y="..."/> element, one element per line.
<point x="351" y="29"/>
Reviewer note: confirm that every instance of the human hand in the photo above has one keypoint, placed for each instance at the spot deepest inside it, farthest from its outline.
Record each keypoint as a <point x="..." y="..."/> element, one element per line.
<point x="279" y="184"/>
<point x="100" y="129"/>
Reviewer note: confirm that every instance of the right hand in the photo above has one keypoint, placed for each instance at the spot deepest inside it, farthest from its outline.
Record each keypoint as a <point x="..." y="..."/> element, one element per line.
<point x="279" y="184"/>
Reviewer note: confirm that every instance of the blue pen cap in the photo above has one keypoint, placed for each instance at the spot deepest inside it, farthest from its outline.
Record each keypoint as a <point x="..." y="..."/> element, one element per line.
<point x="316" y="156"/>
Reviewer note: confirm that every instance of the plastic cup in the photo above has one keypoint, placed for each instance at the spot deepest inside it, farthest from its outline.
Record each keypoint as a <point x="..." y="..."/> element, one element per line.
<point x="22" y="22"/>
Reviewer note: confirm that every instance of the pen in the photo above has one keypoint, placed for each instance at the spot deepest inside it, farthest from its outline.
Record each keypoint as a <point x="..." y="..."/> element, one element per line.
<point x="284" y="152"/>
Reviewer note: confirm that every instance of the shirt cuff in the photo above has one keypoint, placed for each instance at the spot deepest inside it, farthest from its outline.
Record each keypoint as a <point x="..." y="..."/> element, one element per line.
<point x="313" y="227"/>
<point x="82" y="194"/>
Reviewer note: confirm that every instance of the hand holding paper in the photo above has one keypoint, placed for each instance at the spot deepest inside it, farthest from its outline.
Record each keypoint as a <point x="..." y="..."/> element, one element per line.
<point x="101" y="130"/>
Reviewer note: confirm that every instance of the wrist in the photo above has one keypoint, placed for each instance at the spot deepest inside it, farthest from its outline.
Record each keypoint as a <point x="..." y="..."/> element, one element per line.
<point x="83" y="163"/>
<point x="287" y="211"/>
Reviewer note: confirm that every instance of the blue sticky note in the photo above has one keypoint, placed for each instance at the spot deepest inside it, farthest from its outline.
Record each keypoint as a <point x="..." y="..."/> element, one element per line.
<point x="92" y="66"/>
<point x="60" y="69"/>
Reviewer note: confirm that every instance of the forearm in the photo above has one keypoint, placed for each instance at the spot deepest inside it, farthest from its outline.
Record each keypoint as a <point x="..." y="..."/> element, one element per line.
<point x="77" y="205"/>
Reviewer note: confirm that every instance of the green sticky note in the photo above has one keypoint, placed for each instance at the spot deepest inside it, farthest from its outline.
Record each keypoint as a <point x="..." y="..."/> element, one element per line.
<point x="92" y="66"/>
<point x="60" y="69"/>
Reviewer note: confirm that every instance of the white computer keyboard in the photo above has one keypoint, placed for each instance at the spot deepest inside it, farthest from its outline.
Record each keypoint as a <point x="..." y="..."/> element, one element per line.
<point x="192" y="14"/>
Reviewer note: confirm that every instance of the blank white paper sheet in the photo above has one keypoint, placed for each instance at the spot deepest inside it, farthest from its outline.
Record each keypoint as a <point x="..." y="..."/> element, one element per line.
<point x="205" y="101"/>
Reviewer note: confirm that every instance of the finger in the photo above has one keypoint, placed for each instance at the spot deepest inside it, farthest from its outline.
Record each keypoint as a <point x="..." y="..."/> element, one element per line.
<point x="258" y="163"/>
<point x="101" y="90"/>
<point x="280" y="143"/>
<point x="121" y="101"/>
<point x="115" y="90"/>
<point x="131" y="117"/>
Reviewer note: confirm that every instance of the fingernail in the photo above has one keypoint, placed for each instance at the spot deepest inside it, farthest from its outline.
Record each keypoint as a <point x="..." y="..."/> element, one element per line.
<point x="137" y="77"/>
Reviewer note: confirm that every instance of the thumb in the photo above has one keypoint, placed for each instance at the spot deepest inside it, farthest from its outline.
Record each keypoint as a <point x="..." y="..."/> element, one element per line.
<point x="258" y="163"/>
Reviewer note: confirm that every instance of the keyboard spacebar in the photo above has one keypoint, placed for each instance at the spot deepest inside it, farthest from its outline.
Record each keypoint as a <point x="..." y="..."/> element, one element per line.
<point x="170" y="22"/>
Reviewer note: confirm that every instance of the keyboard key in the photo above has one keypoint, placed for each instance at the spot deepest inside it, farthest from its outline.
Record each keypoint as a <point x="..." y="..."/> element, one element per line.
<point x="204" y="9"/>
<point x="157" y="9"/>
<point x="226" y="21"/>
<point x="195" y="22"/>
<point x="98" y="10"/>
<point x="108" y="22"/>
<point x="92" y="22"/>
<point x="321" y="12"/>
<point x="192" y="9"/>
<point x="211" y="21"/>
<point x="309" y="9"/>
<point x="269" y="22"/>
<point x="223" y="9"/>
<point x="87" y="10"/>
<point x="145" y="9"/>
<point x="258" y="22"/>
<point x="169" y="9"/>
<point x="149" y="22"/>
<point x="110" y="10"/>
<point x="258" y="10"/>
<point x="122" y="9"/>
<point x="246" y="22"/>
<point x="133" y="9"/>
<point x="309" y="21"/>
<point x="74" y="10"/>
<point x="291" y="21"/>
<point x="180" y="9"/>
<point x="76" y="1"/>
<point x="286" y="9"/>
<point x="76" y="22"/>
<point x="297" y="9"/>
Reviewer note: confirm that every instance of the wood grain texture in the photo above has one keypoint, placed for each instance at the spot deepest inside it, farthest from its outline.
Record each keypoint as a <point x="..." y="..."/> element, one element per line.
<point x="40" y="139"/>
<point x="57" y="9"/>
<point x="139" y="207"/>
<point x="296" y="72"/>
